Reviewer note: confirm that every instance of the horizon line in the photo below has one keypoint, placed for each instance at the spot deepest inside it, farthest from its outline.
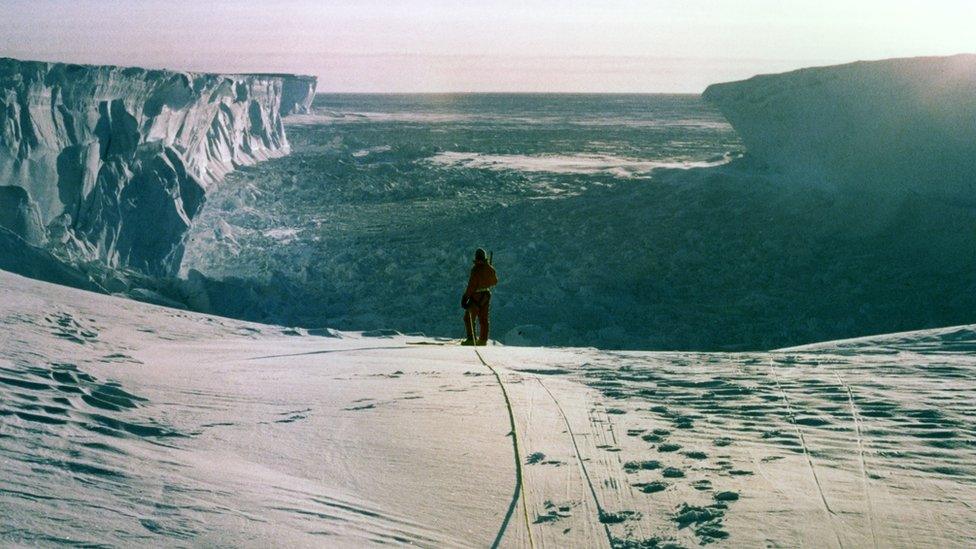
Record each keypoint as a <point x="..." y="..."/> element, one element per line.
<point x="495" y="92"/>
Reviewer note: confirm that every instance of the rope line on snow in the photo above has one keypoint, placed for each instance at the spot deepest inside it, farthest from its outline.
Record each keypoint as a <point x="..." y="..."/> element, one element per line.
<point x="519" y="481"/>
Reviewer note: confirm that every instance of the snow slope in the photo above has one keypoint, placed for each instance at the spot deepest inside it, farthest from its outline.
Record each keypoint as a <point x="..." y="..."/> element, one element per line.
<point x="129" y="424"/>
<point x="116" y="161"/>
<point x="892" y="126"/>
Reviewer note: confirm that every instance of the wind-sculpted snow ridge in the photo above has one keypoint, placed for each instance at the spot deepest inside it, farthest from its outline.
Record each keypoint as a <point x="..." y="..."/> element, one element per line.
<point x="116" y="161"/>
<point x="954" y="339"/>
<point x="893" y="126"/>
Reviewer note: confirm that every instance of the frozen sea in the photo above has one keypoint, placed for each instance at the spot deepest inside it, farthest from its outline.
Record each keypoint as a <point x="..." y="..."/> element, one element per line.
<point x="373" y="217"/>
<point x="616" y="221"/>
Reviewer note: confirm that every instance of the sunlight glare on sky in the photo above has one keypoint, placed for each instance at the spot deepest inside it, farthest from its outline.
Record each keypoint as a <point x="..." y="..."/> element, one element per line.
<point x="487" y="45"/>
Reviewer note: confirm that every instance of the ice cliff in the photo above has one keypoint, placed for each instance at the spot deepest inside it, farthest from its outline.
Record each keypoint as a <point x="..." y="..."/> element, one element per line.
<point x="892" y="126"/>
<point x="113" y="163"/>
<point x="297" y="93"/>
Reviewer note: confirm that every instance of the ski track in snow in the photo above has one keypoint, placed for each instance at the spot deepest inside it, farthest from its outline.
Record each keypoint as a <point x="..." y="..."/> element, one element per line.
<point x="579" y="459"/>
<point x="129" y="424"/>
<point x="806" y="451"/>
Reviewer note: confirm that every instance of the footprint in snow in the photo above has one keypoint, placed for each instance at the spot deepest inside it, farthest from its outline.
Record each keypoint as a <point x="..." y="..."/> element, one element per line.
<point x="607" y="517"/>
<point x="66" y="326"/>
<point x="120" y="357"/>
<point x="538" y="458"/>
<point x="672" y="472"/>
<point x="292" y="419"/>
<point x="652" y="487"/>
<point x="553" y="513"/>
<point x="646" y="465"/>
<point x="726" y="496"/>
<point x="706" y="522"/>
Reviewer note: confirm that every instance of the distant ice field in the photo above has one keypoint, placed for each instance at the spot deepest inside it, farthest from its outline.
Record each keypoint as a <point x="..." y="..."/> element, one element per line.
<point x="639" y="127"/>
<point x="613" y="110"/>
<point x="578" y="163"/>
<point x="358" y="214"/>
<point x="616" y="221"/>
<point x="624" y="136"/>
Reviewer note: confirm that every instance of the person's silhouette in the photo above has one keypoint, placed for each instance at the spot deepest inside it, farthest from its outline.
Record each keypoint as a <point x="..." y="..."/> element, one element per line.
<point x="477" y="297"/>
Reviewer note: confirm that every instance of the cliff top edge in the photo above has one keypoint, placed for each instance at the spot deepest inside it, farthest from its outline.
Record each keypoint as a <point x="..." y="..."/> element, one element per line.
<point x="107" y="67"/>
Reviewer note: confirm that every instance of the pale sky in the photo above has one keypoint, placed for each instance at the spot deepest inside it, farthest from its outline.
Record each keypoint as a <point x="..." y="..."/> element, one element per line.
<point x="487" y="45"/>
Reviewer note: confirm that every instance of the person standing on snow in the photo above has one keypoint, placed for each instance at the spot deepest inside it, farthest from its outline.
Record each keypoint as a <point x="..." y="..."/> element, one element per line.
<point x="477" y="297"/>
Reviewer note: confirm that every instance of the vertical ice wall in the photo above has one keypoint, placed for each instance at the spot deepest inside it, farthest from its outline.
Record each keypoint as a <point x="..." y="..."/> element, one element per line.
<point x="878" y="127"/>
<point x="113" y="163"/>
<point x="297" y="94"/>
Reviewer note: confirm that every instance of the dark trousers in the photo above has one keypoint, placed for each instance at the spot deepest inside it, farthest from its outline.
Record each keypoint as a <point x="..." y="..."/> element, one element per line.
<point x="479" y="307"/>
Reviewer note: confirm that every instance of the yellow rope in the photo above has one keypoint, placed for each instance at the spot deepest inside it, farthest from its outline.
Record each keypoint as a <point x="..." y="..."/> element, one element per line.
<point x="518" y="456"/>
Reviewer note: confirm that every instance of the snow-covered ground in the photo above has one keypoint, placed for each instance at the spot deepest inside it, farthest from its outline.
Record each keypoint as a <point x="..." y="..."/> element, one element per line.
<point x="128" y="424"/>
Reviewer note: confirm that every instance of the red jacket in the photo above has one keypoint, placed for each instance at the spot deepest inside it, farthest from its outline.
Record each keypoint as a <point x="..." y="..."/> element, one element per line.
<point x="482" y="277"/>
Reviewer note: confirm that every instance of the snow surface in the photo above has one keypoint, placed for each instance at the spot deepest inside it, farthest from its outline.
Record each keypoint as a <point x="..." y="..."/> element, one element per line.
<point x="116" y="161"/>
<point x="129" y="424"/>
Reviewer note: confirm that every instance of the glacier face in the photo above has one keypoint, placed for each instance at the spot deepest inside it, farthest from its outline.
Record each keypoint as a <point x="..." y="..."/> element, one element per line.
<point x="115" y="162"/>
<point x="297" y="93"/>
<point x="892" y="126"/>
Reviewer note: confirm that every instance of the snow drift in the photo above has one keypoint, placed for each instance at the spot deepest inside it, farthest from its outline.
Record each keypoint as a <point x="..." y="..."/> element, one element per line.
<point x="882" y="126"/>
<point x="115" y="162"/>
<point x="126" y="424"/>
